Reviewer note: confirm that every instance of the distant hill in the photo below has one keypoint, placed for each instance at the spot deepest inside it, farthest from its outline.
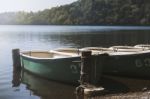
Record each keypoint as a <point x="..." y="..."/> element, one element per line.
<point x="86" y="12"/>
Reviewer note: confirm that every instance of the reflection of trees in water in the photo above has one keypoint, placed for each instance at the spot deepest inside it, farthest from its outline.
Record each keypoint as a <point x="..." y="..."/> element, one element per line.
<point x="84" y="39"/>
<point x="105" y="39"/>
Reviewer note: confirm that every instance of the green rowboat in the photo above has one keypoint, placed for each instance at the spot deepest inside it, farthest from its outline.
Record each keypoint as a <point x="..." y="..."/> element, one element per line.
<point x="54" y="65"/>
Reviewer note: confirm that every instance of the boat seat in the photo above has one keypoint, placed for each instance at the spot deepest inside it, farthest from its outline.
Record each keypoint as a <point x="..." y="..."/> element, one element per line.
<point x="126" y="49"/>
<point x="63" y="53"/>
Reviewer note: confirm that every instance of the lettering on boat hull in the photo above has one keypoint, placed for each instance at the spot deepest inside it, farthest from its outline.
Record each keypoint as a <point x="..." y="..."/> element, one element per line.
<point x="142" y="62"/>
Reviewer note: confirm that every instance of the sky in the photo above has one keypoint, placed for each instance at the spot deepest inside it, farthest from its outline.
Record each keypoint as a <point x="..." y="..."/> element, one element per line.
<point x="30" y="5"/>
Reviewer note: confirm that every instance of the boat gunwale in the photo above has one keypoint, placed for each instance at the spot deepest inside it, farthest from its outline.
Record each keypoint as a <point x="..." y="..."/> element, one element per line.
<point x="128" y="53"/>
<point x="117" y="53"/>
<point x="122" y="50"/>
<point x="37" y="58"/>
<point x="142" y="46"/>
<point x="123" y="47"/>
<point x="95" y="48"/>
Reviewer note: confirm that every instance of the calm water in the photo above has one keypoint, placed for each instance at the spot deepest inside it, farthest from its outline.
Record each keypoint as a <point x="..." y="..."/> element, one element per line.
<point x="50" y="37"/>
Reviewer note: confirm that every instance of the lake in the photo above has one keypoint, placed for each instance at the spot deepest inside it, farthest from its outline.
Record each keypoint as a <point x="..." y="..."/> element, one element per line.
<point x="50" y="37"/>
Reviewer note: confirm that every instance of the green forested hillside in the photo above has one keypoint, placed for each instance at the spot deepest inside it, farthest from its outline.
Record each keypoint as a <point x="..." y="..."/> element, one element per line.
<point x="85" y="12"/>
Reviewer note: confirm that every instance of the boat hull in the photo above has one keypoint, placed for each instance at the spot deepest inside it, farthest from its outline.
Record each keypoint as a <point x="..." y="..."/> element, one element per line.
<point x="61" y="69"/>
<point x="132" y="65"/>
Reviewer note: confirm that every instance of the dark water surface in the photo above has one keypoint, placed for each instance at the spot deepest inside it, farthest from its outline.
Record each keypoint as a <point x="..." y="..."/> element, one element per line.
<point x="50" y="37"/>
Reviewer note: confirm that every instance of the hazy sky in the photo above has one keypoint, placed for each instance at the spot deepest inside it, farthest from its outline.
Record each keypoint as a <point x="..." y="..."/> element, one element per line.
<point x="30" y="5"/>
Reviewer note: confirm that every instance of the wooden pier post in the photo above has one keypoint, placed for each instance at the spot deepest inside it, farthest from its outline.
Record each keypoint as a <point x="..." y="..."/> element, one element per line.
<point x="16" y="59"/>
<point x="86" y="65"/>
<point x="89" y="76"/>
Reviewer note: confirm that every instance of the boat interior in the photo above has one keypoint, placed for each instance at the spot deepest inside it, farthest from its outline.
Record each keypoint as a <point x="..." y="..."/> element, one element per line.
<point x="66" y="51"/>
<point x="145" y="46"/>
<point x="72" y="52"/>
<point x="58" y="53"/>
<point x="126" y="49"/>
<point x="38" y="54"/>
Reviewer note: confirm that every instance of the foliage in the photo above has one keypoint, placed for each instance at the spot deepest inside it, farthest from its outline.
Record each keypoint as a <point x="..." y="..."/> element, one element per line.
<point x="86" y="12"/>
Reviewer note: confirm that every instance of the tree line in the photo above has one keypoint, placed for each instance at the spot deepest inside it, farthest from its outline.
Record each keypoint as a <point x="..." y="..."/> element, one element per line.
<point x="85" y="12"/>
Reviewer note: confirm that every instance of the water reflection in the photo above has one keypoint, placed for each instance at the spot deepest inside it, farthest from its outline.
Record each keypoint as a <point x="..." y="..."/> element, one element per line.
<point x="103" y="38"/>
<point x="16" y="78"/>
<point x="120" y="84"/>
<point x="47" y="89"/>
<point x="45" y="40"/>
